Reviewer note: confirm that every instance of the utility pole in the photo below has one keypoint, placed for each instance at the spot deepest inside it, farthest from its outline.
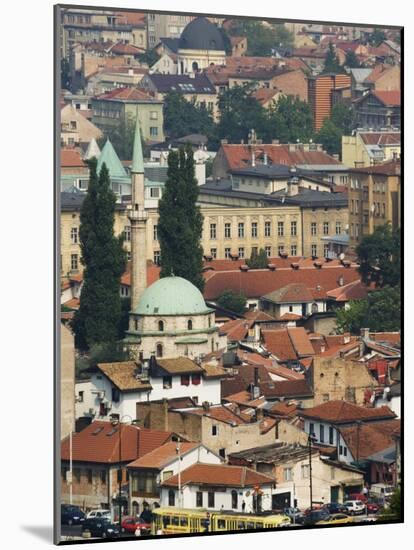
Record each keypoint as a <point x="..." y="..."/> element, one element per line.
<point x="311" y="438"/>
<point x="178" y="448"/>
<point x="70" y="469"/>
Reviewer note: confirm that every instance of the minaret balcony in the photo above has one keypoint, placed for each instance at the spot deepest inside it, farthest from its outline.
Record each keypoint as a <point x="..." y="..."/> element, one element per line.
<point x="138" y="215"/>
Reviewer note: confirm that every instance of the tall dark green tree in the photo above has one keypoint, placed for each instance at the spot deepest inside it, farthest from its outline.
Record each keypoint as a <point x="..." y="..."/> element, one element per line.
<point x="330" y="136"/>
<point x="234" y="302"/>
<point x="182" y="117"/>
<point x="332" y="64"/>
<point x="289" y="120"/>
<point x="258" y="260"/>
<point x="342" y="115"/>
<point x="379" y="257"/>
<point x="98" y="318"/>
<point x="351" y="60"/>
<point x="180" y="221"/>
<point x="376" y="37"/>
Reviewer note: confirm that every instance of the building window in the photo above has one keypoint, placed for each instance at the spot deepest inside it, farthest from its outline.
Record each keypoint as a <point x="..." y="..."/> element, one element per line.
<point x="305" y="471"/>
<point x="154" y="192"/>
<point x="213" y="231"/>
<point x="74" y="235"/>
<point x="241" y="230"/>
<point x="254" y="250"/>
<point x="196" y="379"/>
<point x="161" y="326"/>
<point x="313" y="250"/>
<point x="287" y="474"/>
<point x="211" y="499"/>
<point x="311" y="428"/>
<point x="153" y="131"/>
<point x="214" y="430"/>
<point x="293" y="228"/>
<point x="74" y="262"/>
<point x="199" y="499"/>
<point x="157" y="257"/>
<point x="338" y="228"/>
<point x="345" y="451"/>
<point x="171" y="498"/>
<point x="167" y="382"/>
<point x="222" y="453"/>
<point x="313" y="228"/>
<point x="357" y="230"/>
<point x="77" y="475"/>
<point x="153" y="115"/>
<point x="103" y="477"/>
<point x="268" y="229"/>
<point x="254" y="229"/>
<point x="155" y="233"/>
<point x="234" y="503"/>
<point x="326" y="250"/>
<point x="213" y="253"/>
<point x="331" y="435"/>
<point x="159" y="350"/>
<point x="326" y="228"/>
<point x="189" y="324"/>
<point x="227" y="253"/>
<point x="241" y="252"/>
<point x="127" y="233"/>
<point x="280" y="249"/>
<point x="89" y="475"/>
<point x="356" y="207"/>
<point x="227" y="231"/>
<point x="185" y="379"/>
<point x="321" y="433"/>
<point x="268" y="250"/>
<point x="281" y="229"/>
<point x="293" y="250"/>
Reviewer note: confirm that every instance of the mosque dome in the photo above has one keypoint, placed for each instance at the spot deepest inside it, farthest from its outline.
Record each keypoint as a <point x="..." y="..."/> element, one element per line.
<point x="172" y="296"/>
<point x="200" y="34"/>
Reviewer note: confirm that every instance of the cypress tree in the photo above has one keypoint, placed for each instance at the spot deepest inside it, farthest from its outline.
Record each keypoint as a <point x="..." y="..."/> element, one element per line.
<point x="180" y="221"/>
<point x="98" y="319"/>
<point x="332" y="64"/>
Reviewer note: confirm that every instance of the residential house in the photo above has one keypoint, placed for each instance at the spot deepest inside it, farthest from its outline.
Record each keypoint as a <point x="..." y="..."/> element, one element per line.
<point x="221" y="428"/>
<point x="196" y="88"/>
<point x="219" y="487"/>
<point x="289" y="465"/>
<point x="147" y="473"/>
<point x="320" y="90"/>
<point x="374" y="198"/>
<point x="99" y="453"/>
<point x="238" y="45"/>
<point x="116" y="388"/>
<point x="166" y="64"/>
<point x="123" y="105"/>
<point x="325" y="422"/>
<point x="294" y="298"/>
<point x="366" y="148"/>
<point x="161" y="26"/>
<point x="379" y="109"/>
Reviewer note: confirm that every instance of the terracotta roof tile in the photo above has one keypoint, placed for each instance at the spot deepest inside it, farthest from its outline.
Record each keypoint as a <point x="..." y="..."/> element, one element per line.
<point x="179" y="365"/>
<point x="388" y="168"/>
<point x="372" y="438"/>
<point x="339" y="412"/>
<point x="279" y="344"/>
<point x="286" y="389"/>
<point x="160" y="457"/>
<point x="300" y="341"/>
<point x="126" y="94"/>
<point x="71" y="158"/>
<point x="219" y="475"/>
<point x="221" y="413"/>
<point x="99" y="442"/>
<point x="123" y="375"/>
<point x="236" y="329"/>
<point x="381" y="138"/>
<point x="390" y="98"/>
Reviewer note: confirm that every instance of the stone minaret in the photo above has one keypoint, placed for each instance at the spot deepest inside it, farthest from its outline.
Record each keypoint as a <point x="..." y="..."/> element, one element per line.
<point x="138" y="218"/>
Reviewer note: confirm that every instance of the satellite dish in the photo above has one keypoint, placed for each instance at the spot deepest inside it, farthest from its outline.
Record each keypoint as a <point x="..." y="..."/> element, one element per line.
<point x="341" y="256"/>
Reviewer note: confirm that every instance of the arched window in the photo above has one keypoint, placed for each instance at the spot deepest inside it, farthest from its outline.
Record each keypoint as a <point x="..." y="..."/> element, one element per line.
<point x="314" y="308"/>
<point x="190" y="324"/>
<point x="195" y="66"/>
<point x="161" y="326"/>
<point x="159" y="350"/>
<point x="171" y="498"/>
<point x="135" y="508"/>
<point x="234" y="500"/>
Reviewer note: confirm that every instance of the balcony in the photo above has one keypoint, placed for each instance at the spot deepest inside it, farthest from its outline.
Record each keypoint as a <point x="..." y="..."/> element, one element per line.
<point x="138" y="215"/>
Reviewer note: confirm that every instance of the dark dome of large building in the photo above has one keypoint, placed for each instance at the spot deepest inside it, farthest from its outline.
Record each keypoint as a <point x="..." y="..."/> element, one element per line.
<point x="200" y="34"/>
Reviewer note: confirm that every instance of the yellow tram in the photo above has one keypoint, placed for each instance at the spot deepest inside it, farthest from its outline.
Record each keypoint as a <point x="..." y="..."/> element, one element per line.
<point x="172" y="521"/>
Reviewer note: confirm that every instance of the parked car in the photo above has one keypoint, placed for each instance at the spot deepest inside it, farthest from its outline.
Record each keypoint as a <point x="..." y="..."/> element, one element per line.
<point x="99" y="513"/>
<point x="293" y="513"/>
<point x="100" y="527"/>
<point x="336" y="508"/>
<point x="373" y="507"/>
<point x="381" y="491"/>
<point x="336" y="519"/>
<point x="71" y="515"/>
<point x="358" y="496"/>
<point x="130" y="524"/>
<point x="314" y="516"/>
<point x="354" y="507"/>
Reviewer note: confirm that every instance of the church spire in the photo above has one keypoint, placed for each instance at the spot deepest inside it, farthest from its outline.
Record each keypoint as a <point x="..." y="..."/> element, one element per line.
<point x="137" y="157"/>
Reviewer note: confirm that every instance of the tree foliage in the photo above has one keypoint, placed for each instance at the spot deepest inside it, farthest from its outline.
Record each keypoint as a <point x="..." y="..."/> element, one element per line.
<point x="332" y="64"/>
<point x="376" y="37"/>
<point x="182" y="117"/>
<point x="289" y="120"/>
<point x="180" y="221"/>
<point x="342" y="116"/>
<point x="65" y="78"/>
<point x="97" y="320"/>
<point x="380" y="311"/>
<point x="393" y="510"/>
<point x="379" y="257"/>
<point x="150" y="57"/>
<point x="232" y="301"/>
<point x="262" y="39"/>
<point x="258" y="260"/>
<point x="330" y="136"/>
<point x="351" y="60"/>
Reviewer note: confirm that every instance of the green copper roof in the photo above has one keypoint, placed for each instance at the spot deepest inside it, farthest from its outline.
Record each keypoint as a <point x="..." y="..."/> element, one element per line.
<point x="172" y="296"/>
<point x="137" y="157"/>
<point x="111" y="159"/>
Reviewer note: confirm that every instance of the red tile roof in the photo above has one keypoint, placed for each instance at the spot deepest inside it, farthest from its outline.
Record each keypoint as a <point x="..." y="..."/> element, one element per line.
<point x="160" y="457"/>
<point x="369" y="439"/>
<point x="99" y="442"/>
<point x="258" y="316"/>
<point x="352" y="291"/>
<point x="388" y="98"/>
<point x="284" y="409"/>
<point x="219" y="475"/>
<point x="221" y="413"/>
<point x="389" y="337"/>
<point x="381" y="138"/>
<point x="387" y="168"/>
<point x="290" y="317"/>
<point x="300" y="341"/>
<point x="71" y="158"/>
<point x="239" y="156"/>
<point x="286" y="389"/>
<point x="279" y="344"/>
<point x="341" y="412"/>
<point x="126" y="94"/>
<point x="291" y="293"/>
<point x="236" y="329"/>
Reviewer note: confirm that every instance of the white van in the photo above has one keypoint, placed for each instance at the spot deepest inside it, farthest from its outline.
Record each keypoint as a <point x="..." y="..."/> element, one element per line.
<point x="99" y="513"/>
<point x="382" y="491"/>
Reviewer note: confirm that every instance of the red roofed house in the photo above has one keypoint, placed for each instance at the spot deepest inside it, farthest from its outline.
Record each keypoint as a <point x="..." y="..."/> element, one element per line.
<point x="97" y="453"/>
<point x="327" y="420"/>
<point x="148" y="472"/>
<point x="379" y="109"/>
<point x="219" y="487"/>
